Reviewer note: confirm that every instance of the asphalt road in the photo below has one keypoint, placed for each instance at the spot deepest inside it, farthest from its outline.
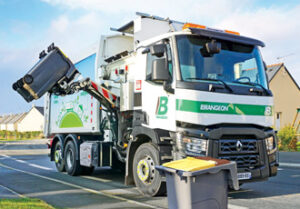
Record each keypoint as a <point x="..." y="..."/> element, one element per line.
<point x="25" y="170"/>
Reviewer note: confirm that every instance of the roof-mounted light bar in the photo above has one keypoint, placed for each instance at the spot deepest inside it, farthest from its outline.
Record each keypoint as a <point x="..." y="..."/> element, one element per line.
<point x="232" y="32"/>
<point x="192" y="25"/>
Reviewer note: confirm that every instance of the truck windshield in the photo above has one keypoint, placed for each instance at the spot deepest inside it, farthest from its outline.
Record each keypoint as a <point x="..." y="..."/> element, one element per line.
<point x="235" y="64"/>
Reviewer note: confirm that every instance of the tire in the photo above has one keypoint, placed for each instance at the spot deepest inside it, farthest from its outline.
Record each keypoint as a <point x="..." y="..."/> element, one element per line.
<point x="59" y="161"/>
<point x="72" y="165"/>
<point x="148" y="181"/>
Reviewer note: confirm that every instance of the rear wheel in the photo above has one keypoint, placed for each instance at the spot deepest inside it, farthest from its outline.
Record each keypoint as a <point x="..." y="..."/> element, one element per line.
<point x="59" y="162"/>
<point x="146" y="177"/>
<point x="72" y="165"/>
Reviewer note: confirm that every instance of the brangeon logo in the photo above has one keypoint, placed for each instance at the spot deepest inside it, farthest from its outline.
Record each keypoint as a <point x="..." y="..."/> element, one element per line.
<point x="223" y="108"/>
<point x="214" y="107"/>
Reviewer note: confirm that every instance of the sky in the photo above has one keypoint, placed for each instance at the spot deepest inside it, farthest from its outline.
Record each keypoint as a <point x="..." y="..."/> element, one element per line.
<point x="28" y="27"/>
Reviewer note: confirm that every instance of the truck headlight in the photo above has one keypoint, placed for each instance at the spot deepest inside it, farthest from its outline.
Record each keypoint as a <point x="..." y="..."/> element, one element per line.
<point x="195" y="146"/>
<point x="270" y="143"/>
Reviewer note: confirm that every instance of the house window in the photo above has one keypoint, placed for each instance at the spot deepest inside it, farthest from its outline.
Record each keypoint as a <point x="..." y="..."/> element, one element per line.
<point x="277" y="122"/>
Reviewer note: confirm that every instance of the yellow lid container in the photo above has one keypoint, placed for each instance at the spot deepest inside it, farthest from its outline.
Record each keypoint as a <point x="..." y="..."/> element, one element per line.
<point x="190" y="164"/>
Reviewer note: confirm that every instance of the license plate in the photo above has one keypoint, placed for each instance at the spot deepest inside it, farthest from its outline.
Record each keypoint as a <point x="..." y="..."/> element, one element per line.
<point x="242" y="176"/>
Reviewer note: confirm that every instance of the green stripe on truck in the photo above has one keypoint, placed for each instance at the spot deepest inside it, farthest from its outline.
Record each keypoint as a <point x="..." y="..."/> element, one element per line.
<point x="223" y="108"/>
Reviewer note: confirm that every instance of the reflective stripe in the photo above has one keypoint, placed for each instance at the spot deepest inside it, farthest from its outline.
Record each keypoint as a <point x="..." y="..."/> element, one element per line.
<point x="223" y="108"/>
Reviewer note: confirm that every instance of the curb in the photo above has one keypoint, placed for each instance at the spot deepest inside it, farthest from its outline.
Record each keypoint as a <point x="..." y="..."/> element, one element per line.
<point x="290" y="165"/>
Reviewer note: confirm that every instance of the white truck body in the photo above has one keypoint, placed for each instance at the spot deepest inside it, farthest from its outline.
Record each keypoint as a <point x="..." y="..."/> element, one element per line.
<point x="211" y="109"/>
<point x="163" y="90"/>
<point x="79" y="112"/>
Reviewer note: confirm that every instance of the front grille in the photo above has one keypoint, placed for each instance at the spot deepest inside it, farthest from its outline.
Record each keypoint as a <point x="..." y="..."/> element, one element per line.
<point x="231" y="146"/>
<point x="244" y="152"/>
<point x="243" y="161"/>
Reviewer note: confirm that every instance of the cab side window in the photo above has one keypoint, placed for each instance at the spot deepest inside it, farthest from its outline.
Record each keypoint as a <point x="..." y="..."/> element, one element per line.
<point x="150" y="59"/>
<point x="170" y="65"/>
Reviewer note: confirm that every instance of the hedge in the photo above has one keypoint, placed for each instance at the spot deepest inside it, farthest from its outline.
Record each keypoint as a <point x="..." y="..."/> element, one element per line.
<point x="287" y="139"/>
<point x="20" y="135"/>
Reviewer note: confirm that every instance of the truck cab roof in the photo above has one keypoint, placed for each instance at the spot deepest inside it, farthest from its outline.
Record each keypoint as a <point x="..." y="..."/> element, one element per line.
<point x="147" y="27"/>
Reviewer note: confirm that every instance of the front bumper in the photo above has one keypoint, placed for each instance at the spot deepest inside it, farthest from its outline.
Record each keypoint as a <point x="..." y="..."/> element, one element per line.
<point x="255" y="160"/>
<point x="263" y="172"/>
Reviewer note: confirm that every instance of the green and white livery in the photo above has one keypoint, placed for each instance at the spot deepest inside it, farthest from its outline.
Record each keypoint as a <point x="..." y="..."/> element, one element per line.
<point x="214" y="108"/>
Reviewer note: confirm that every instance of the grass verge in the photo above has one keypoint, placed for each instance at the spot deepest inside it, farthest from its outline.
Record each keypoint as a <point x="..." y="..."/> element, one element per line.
<point x="24" y="203"/>
<point x="24" y="139"/>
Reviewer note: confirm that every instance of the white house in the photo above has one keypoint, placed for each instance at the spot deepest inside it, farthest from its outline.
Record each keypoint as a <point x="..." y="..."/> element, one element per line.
<point x="33" y="120"/>
<point x="4" y="121"/>
<point x="2" y="125"/>
<point x="12" y="125"/>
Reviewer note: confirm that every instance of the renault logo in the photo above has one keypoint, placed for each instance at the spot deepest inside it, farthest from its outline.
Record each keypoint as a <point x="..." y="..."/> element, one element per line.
<point x="239" y="146"/>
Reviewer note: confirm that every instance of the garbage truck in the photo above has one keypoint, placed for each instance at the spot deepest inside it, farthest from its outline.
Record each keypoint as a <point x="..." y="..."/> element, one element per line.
<point x="154" y="91"/>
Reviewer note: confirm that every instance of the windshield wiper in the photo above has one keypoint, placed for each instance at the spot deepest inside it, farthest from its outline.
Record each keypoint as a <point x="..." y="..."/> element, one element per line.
<point x="253" y="89"/>
<point x="217" y="80"/>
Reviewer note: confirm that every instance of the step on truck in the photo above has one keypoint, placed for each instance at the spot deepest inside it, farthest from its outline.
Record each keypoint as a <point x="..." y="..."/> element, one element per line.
<point x="154" y="91"/>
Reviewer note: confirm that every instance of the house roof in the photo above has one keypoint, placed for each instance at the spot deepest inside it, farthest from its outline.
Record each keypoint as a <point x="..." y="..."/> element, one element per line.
<point x="274" y="68"/>
<point x="40" y="109"/>
<point x="4" y="117"/>
<point x="17" y="117"/>
<point x="7" y="119"/>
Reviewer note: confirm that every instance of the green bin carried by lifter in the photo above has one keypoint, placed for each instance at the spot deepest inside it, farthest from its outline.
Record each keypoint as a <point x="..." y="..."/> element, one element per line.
<point x="205" y="188"/>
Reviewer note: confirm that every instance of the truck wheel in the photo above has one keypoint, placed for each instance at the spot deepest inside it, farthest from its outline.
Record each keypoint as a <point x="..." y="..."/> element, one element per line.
<point x="59" y="161"/>
<point x="72" y="165"/>
<point x="146" y="177"/>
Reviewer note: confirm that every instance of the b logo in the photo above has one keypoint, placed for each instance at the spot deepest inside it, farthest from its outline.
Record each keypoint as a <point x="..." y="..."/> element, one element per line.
<point x="268" y="111"/>
<point x="162" y="106"/>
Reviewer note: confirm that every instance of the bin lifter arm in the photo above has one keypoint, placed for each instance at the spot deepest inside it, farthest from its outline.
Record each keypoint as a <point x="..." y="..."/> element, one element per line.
<point x="103" y="95"/>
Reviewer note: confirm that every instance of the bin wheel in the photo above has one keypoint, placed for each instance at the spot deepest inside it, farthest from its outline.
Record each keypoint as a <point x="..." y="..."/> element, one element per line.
<point x="59" y="161"/>
<point x="72" y="165"/>
<point x="146" y="177"/>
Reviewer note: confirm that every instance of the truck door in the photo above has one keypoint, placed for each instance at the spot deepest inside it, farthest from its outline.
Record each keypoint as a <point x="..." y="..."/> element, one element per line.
<point x="156" y="101"/>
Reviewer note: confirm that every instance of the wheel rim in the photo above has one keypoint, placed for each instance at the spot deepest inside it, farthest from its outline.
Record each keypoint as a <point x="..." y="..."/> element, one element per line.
<point x="57" y="156"/>
<point x="146" y="170"/>
<point x="70" y="158"/>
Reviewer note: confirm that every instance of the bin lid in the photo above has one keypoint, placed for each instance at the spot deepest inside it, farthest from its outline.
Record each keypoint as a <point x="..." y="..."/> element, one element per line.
<point x="190" y="164"/>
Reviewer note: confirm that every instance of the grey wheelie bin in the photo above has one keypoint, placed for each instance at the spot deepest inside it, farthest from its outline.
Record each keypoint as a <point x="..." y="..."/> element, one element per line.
<point x="51" y="71"/>
<point x="202" y="189"/>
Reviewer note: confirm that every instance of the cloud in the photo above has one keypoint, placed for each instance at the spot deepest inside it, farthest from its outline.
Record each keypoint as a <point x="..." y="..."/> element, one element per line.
<point x="16" y="59"/>
<point x="73" y="35"/>
<point x="277" y="26"/>
<point x="82" y="22"/>
<point x="177" y="8"/>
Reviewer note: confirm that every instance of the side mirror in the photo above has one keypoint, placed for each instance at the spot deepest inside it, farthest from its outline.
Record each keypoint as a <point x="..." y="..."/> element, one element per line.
<point x="158" y="50"/>
<point x="213" y="47"/>
<point x="160" y="70"/>
<point x="210" y="49"/>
